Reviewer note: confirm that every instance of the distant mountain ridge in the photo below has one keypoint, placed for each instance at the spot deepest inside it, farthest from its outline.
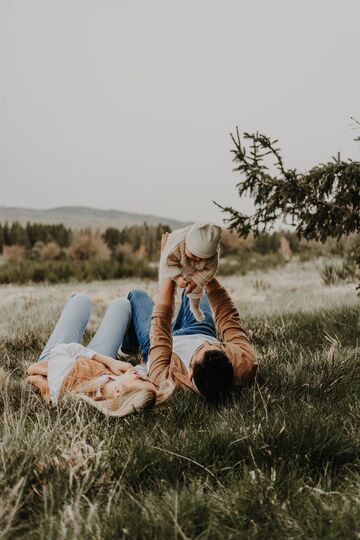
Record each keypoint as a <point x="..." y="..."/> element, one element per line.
<point x="78" y="217"/>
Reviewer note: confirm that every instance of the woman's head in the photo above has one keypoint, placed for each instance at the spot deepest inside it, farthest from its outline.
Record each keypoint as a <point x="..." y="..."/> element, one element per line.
<point x="130" y="381"/>
<point x="130" y="393"/>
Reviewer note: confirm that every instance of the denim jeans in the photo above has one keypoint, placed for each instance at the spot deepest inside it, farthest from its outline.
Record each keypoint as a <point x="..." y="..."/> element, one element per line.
<point x="74" y="318"/>
<point x="138" y="335"/>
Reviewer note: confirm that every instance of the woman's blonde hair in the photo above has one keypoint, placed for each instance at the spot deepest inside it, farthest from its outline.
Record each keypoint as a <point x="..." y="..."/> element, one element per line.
<point x="129" y="401"/>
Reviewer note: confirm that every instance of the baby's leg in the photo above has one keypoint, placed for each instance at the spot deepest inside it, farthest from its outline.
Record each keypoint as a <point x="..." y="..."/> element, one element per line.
<point x="195" y="298"/>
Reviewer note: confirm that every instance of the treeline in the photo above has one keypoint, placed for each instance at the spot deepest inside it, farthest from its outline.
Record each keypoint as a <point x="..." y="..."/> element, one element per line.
<point x="55" y="253"/>
<point x="143" y="240"/>
<point x="17" y="235"/>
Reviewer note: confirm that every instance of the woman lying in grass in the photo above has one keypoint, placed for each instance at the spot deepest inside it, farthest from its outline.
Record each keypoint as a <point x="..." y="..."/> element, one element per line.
<point x="114" y="387"/>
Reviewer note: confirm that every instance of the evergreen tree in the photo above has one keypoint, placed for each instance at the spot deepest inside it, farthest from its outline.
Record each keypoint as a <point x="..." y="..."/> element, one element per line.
<point x="30" y="234"/>
<point x="7" y="235"/>
<point x="18" y="234"/>
<point x="112" y="237"/>
<point x="321" y="203"/>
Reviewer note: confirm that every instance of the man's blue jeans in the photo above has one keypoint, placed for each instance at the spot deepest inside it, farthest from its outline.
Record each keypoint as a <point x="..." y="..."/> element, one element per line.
<point x="138" y="334"/>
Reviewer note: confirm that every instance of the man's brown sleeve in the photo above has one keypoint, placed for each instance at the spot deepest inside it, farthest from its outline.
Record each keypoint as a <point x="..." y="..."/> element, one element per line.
<point x="160" y="343"/>
<point x="228" y="321"/>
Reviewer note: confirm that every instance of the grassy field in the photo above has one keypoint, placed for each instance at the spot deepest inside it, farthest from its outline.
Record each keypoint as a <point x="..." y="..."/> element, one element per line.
<point x="279" y="460"/>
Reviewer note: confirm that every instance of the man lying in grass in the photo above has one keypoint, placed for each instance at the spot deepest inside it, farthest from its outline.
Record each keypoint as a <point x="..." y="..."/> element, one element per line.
<point x="188" y="352"/>
<point x="92" y="373"/>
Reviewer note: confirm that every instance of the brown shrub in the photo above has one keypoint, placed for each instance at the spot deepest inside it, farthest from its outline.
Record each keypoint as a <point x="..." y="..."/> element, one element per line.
<point x="141" y="252"/>
<point x="124" y="249"/>
<point x="37" y="250"/>
<point x="51" y="251"/>
<point x="87" y="245"/>
<point x="232" y="244"/>
<point x="285" y="248"/>
<point x="14" y="254"/>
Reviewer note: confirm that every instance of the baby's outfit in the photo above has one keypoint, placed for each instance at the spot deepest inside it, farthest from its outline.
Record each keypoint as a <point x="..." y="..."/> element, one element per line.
<point x="202" y="240"/>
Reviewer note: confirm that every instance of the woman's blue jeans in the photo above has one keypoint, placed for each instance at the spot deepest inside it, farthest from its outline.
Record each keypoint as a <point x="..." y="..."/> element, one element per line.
<point x="73" y="321"/>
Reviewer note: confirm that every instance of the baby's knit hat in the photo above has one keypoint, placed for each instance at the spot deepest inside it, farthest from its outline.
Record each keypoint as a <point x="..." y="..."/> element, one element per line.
<point x="203" y="239"/>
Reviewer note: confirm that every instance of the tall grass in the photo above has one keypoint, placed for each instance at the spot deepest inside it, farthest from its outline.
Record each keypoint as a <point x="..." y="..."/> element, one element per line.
<point x="278" y="460"/>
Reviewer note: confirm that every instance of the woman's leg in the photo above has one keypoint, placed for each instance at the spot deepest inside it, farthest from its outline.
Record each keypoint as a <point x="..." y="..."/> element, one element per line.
<point x="110" y="334"/>
<point x="138" y="334"/>
<point x="71" y="324"/>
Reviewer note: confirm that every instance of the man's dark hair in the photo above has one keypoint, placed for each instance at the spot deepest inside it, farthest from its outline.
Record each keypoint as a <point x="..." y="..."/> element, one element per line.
<point x="213" y="376"/>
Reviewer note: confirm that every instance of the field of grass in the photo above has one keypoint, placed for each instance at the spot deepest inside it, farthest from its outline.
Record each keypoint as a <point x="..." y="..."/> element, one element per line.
<point x="279" y="460"/>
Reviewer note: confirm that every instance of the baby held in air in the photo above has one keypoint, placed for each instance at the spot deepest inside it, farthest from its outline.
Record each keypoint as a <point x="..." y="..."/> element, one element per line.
<point x="190" y="257"/>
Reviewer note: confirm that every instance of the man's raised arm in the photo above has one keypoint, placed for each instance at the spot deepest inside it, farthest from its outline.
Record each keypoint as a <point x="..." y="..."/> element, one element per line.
<point x="160" y="332"/>
<point x="227" y="316"/>
<point x="212" y="285"/>
<point x="166" y="294"/>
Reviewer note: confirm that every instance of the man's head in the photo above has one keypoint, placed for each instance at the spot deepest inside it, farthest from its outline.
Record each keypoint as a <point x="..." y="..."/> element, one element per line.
<point x="212" y="372"/>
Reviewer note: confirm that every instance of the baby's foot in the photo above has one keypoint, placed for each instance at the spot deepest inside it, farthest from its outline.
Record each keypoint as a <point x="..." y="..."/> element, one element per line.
<point x="198" y="313"/>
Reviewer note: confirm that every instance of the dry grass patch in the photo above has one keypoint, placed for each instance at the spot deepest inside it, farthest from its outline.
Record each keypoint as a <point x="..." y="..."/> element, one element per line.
<point x="278" y="460"/>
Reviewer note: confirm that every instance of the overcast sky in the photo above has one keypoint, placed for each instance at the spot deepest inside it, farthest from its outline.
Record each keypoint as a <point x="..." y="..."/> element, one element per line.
<point x="128" y="104"/>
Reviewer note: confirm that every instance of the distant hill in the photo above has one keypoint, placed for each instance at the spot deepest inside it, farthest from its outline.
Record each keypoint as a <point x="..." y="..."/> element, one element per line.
<point x="78" y="217"/>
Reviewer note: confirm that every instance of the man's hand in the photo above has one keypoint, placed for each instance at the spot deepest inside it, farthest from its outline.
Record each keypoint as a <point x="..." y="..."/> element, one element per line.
<point x="181" y="282"/>
<point x="190" y="286"/>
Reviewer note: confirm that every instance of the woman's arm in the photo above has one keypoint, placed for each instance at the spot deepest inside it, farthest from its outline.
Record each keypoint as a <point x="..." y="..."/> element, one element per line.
<point x="39" y="368"/>
<point x="116" y="366"/>
<point x="40" y="382"/>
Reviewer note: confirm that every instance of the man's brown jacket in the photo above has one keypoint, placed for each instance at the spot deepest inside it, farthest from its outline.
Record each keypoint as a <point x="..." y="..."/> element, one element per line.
<point x="165" y="364"/>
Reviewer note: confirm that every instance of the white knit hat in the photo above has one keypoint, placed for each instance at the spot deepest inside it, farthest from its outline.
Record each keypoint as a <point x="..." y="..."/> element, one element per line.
<point x="203" y="239"/>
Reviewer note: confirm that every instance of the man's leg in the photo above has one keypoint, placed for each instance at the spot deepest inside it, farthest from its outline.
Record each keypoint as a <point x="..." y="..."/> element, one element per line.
<point x="138" y="334"/>
<point x="71" y="324"/>
<point x="112" y="329"/>
<point x="186" y="324"/>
